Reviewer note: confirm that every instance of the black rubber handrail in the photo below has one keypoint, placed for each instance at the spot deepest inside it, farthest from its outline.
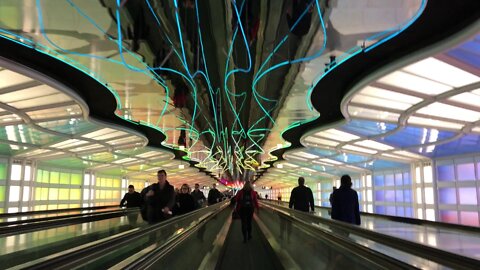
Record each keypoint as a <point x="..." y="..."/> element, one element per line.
<point x="416" y="221"/>
<point x="439" y="256"/>
<point x="35" y="220"/>
<point x="40" y="212"/>
<point x="61" y="221"/>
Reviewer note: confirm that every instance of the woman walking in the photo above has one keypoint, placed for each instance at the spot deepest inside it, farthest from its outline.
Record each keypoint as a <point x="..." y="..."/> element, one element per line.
<point x="247" y="202"/>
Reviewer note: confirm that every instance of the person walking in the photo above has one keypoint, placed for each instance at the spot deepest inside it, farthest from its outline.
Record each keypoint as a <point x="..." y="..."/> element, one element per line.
<point x="214" y="196"/>
<point x="185" y="201"/>
<point x="132" y="198"/>
<point x="198" y="196"/>
<point x="247" y="202"/>
<point x="344" y="202"/>
<point x="160" y="199"/>
<point x="301" y="197"/>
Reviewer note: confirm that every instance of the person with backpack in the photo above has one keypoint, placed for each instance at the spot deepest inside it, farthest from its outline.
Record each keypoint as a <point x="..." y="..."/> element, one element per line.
<point x="247" y="202"/>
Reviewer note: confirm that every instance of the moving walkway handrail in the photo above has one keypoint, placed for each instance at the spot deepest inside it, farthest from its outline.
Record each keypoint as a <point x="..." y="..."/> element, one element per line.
<point x="75" y="257"/>
<point x="34" y="220"/>
<point x="374" y="257"/>
<point x="415" y="221"/>
<point x="61" y="221"/>
<point x="40" y="212"/>
<point x="442" y="257"/>
<point x="157" y="254"/>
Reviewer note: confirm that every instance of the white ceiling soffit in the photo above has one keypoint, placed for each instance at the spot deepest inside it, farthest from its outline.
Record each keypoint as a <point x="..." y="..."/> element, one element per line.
<point x="41" y="108"/>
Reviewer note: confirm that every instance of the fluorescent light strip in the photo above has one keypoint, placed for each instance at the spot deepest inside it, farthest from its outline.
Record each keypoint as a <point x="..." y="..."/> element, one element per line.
<point x="374" y="145"/>
<point x="414" y="83"/>
<point x="305" y="155"/>
<point x="336" y="135"/>
<point x="440" y="71"/>
<point x="359" y="149"/>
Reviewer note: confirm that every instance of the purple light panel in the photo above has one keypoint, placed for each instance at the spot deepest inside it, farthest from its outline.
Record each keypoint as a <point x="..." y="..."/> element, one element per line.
<point x="445" y="173"/>
<point x="447" y="196"/>
<point x="466" y="172"/>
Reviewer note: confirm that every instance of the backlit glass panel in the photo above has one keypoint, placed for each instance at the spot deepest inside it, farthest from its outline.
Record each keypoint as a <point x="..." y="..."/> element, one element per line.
<point x="448" y="216"/>
<point x="445" y="173"/>
<point x="469" y="218"/>
<point x="447" y="196"/>
<point x="466" y="171"/>
<point x="468" y="195"/>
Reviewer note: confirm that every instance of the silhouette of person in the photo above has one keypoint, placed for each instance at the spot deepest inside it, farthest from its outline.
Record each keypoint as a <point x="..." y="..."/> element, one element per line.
<point x="301" y="197"/>
<point x="185" y="201"/>
<point x="132" y="198"/>
<point x="198" y="196"/>
<point x="214" y="196"/>
<point x="247" y="202"/>
<point x="344" y="202"/>
<point x="160" y="199"/>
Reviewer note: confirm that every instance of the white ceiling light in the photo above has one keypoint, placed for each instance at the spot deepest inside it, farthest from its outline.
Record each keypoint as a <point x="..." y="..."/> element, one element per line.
<point x="450" y="112"/>
<point x="359" y="149"/>
<point x="330" y="161"/>
<point x="440" y="71"/>
<point x="359" y="112"/>
<point x="374" y="145"/>
<point x="414" y="83"/>
<point x="317" y="141"/>
<point x="335" y="134"/>
<point x="471" y="99"/>
<point x="427" y="122"/>
<point x="305" y="155"/>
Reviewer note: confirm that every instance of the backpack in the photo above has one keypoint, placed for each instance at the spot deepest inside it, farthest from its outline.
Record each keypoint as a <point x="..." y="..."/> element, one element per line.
<point x="247" y="200"/>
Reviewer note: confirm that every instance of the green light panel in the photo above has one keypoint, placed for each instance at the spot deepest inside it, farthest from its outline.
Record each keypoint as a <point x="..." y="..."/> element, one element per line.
<point x="2" y="193"/>
<point x="3" y="171"/>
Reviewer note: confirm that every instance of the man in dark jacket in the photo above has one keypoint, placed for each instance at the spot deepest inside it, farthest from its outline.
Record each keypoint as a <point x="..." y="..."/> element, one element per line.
<point x="198" y="196"/>
<point x="301" y="197"/>
<point x="214" y="195"/>
<point x="345" y="202"/>
<point x="132" y="198"/>
<point x="160" y="199"/>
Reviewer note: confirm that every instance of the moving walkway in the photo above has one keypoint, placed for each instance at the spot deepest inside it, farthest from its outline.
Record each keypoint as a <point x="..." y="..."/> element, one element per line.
<point x="282" y="239"/>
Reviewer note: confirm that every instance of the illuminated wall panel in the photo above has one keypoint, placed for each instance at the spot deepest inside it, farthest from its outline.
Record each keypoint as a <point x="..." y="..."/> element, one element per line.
<point x="392" y="192"/>
<point x="458" y="186"/>
<point x="445" y="173"/>
<point x="2" y="193"/>
<point x="56" y="188"/>
<point x="107" y="190"/>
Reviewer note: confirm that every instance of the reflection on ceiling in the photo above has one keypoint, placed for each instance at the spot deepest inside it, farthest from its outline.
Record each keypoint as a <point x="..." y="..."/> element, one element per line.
<point x="52" y="128"/>
<point x="222" y="85"/>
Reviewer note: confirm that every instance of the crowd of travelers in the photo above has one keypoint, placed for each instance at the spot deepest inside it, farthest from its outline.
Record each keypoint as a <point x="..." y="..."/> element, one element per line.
<point x="161" y="200"/>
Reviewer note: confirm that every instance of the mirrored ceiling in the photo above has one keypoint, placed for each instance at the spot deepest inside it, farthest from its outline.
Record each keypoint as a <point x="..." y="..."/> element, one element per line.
<point x="223" y="85"/>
